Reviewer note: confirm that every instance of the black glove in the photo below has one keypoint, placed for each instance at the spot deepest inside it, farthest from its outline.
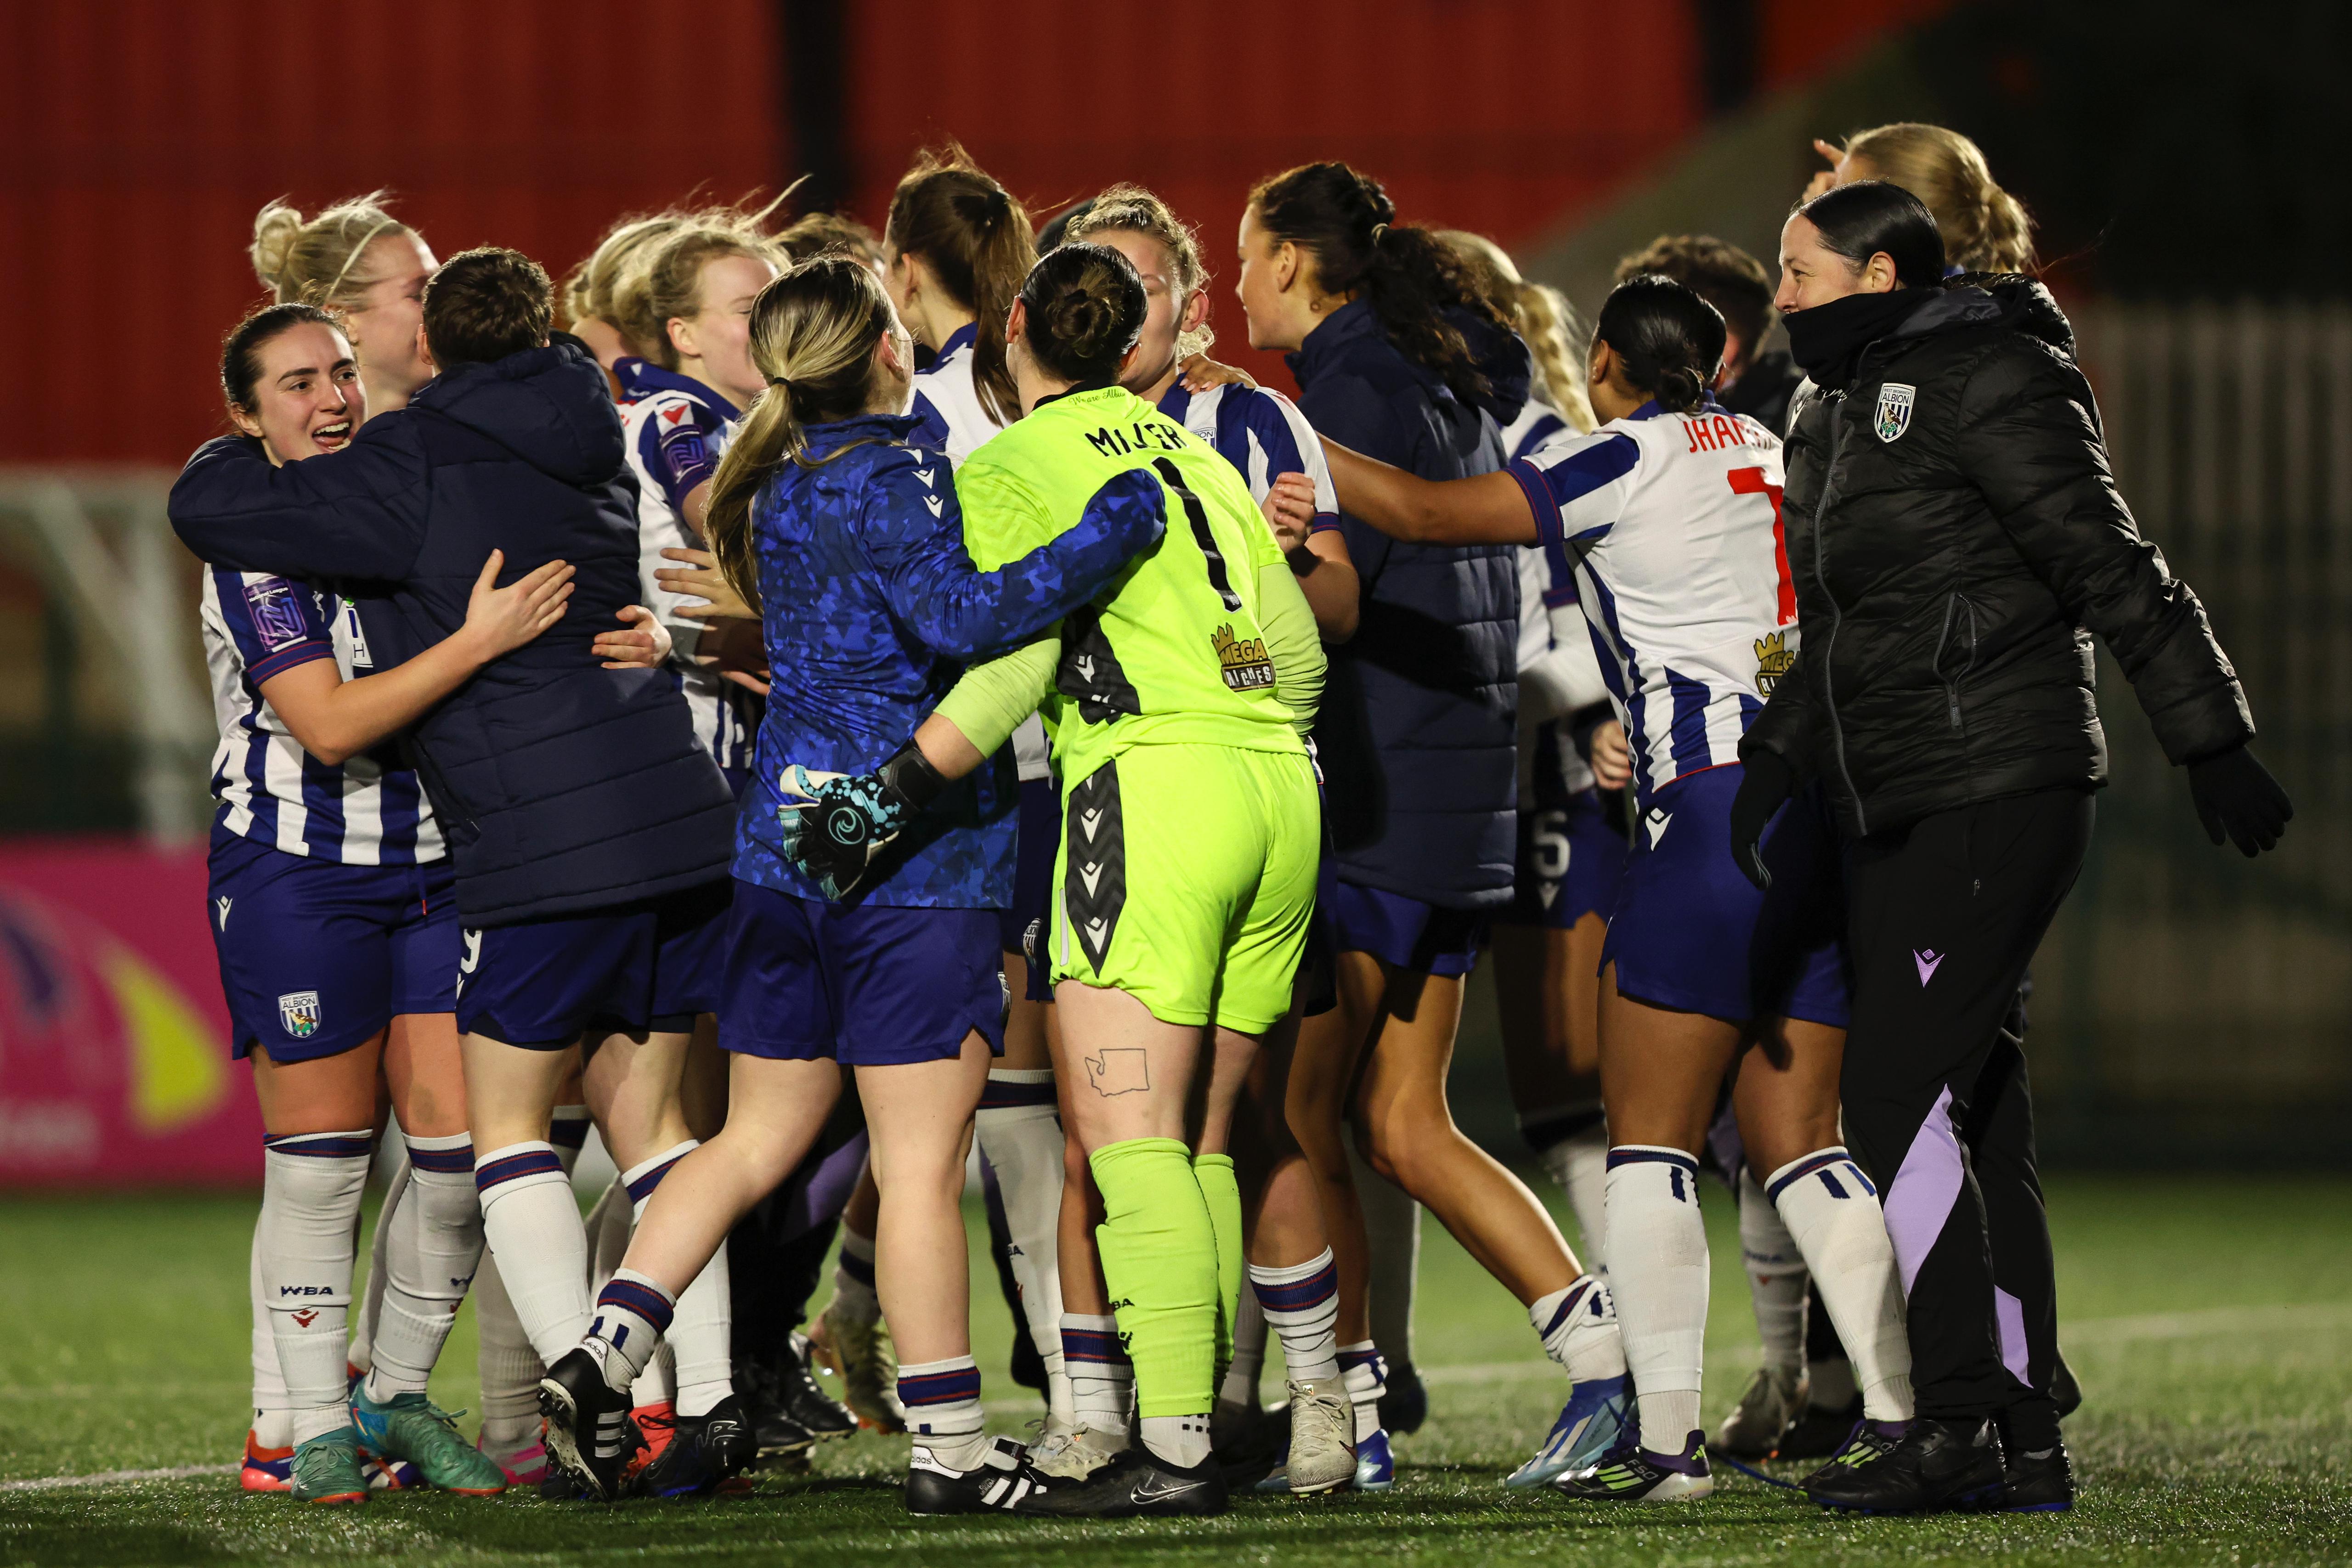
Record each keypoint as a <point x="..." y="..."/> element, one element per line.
<point x="2237" y="799"/>
<point x="835" y="824"/>
<point x="1766" y="782"/>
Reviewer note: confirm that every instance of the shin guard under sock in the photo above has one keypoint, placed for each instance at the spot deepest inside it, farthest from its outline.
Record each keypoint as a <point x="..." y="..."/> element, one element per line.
<point x="1160" y="1261"/>
<point x="1658" y="1275"/>
<point x="370" y="1307"/>
<point x="532" y="1223"/>
<point x="437" y="1243"/>
<point x="1832" y="1211"/>
<point x="1021" y="1136"/>
<point x="1102" y="1380"/>
<point x="1777" y="1277"/>
<point x="1301" y="1303"/>
<point x="311" y="1188"/>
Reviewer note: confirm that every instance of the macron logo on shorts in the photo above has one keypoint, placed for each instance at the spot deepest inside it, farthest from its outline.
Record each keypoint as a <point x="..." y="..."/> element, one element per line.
<point x="1928" y="958"/>
<point x="222" y="905"/>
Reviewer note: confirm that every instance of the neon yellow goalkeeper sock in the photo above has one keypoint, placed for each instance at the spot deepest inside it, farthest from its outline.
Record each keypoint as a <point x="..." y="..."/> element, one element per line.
<point x="1160" y="1259"/>
<point x="1221" y="1191"/>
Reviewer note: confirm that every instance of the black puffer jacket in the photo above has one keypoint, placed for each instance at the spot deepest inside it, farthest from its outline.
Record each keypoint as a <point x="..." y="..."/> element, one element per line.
<point x="1956" y="536"/>
<point x="563" y="786"/>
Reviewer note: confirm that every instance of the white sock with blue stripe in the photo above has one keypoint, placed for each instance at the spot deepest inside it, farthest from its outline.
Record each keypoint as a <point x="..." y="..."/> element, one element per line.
<point x="943" y="1413"/>
<point x="1832" y="1211"/>
<point x="534" y="1226"/>
<point x="1302" y="1304"/>
<point x="435" y="1245"/>
<point x="1658" y="1274"/>
<point x="1777" y="1277"/>
<point x="310" y="1190"/>
<point x="632" y="1312"/>
<point x="1367" y="1376"/>
<point x="510" y="1369"/>
<point x="1577" y="1325"/>
<point x="701" y="1338"/>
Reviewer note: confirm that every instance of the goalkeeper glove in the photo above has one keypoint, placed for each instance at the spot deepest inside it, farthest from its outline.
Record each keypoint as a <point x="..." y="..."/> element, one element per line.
<point x="843" y="820"/>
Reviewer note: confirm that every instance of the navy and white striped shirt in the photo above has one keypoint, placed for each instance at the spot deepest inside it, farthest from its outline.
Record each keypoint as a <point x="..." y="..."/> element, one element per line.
<point x="367" y="812"/>
<point x="1260" y="432"/>
<point x="1671" y="527"/>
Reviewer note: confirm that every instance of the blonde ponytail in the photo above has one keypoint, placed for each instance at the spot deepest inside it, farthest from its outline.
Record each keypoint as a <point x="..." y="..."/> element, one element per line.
<point x="814" y="332"/>
<point x="318" y="261"/>
<point x="1541" y="315"/>
<point x="1985" y="228"/>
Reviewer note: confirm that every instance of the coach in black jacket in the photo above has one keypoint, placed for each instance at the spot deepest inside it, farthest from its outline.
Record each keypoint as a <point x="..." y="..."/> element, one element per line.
<point x="1955" y="538"/>
<point x="565" y="789"/>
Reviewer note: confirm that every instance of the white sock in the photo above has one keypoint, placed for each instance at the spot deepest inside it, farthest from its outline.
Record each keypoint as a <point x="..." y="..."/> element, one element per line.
<point x="1832" y="1211"/>
<point x="532" y="1223"/>
<point x="1102" y="1379"/>
<point x="1577" y="1325"/>
<point x="632" y="1312"/>
<point x="701" y="1338"/>
<point x="854" y="1300"/>
<point x="1777" y="1277"/>
<point x="611" y="1222"/>
<point x="1181" y="1441"/>
<point x="1657" y="1273"/>
<point x="1021" y="1134"/>
<point x="510" y="1369"/>
<point x="273" y="1422"/>
<point x="1301" y="1302"/>
<point x="1367" y="1376"/>
<point x="943" y="1401"/>
<point x="436" y="1242"/>
<point x="1240" y="1387"/>
<point x="361" y="1353"/>
<point x="1580" y="1164"/>
<point x="311" y="1192"/>
<point x="1392" y="1232"/>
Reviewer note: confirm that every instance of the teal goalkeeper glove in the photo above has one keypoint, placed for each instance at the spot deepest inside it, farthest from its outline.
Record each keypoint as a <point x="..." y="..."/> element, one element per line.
<point x="843" y="820"/>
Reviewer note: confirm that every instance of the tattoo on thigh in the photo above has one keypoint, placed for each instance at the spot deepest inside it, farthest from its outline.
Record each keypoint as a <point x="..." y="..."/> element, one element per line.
<point x="1121" y="1072"/>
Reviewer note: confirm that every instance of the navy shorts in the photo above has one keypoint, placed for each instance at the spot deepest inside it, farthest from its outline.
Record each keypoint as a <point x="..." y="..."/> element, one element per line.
<point x="863" y="985"/>
<point x="315" y="956"/>
<point x="1690" y="933"/>
<point x="1022" y="928"/>
<point x="1571" y="861"/>
<point x="545" y="983"/>
<point x="1400" y="932"/>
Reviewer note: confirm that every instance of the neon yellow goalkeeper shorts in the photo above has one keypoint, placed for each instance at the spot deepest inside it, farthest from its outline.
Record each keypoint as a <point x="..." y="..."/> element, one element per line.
<point x="1186" y="878"/>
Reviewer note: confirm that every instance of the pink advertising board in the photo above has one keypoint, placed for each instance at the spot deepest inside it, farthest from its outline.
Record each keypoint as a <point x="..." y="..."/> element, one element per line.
<point x="114" y="1064"/>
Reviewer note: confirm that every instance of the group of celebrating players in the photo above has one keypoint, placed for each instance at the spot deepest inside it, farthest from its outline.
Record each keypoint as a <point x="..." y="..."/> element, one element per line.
<point x="805" y="700"/>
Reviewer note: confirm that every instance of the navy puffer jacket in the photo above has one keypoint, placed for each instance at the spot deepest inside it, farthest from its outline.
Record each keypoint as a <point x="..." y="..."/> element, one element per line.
<point x="1418" y="728"/>
<point x="563" y="786"/>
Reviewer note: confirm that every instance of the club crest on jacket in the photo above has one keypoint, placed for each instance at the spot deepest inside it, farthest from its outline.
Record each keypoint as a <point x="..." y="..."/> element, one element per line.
<point x="1894" y="415"/>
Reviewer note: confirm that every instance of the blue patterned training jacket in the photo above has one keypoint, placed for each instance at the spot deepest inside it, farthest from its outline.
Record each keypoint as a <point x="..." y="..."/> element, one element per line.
<point x="871" y="606"/>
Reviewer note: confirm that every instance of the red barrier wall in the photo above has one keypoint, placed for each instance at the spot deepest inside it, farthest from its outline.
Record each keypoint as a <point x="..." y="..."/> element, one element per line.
<point x="114" y="1064"/>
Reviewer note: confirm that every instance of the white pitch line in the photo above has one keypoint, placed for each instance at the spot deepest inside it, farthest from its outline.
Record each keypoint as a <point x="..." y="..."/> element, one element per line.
<point x="112" y="1478"/>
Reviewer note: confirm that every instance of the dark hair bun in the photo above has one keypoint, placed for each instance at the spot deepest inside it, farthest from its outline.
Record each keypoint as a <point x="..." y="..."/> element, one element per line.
<point x="1086" y="308"/>
<point x="1669" y="340"/>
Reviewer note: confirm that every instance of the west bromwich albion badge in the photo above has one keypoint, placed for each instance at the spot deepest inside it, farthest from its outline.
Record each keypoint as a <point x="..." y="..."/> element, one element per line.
<point x="1894" y="415"/>
<point x="298" y="1011"/>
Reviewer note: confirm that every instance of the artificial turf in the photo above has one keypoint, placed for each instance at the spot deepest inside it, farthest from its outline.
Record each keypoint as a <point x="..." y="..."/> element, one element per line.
<point x="2210" y="1321"/>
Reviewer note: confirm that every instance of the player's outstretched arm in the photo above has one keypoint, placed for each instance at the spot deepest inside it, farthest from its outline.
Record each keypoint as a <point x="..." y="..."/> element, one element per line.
<point x="1487" y="508"/>
<point x="963" y="613"/>
<point x="357" y="513"/>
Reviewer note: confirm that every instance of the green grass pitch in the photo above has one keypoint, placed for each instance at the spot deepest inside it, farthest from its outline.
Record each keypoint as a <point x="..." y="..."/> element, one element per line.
<point x="2211" y="1322"/>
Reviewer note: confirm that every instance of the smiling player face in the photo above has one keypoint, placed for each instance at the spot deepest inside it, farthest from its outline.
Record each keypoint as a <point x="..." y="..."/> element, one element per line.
<point x="307" y="398"/>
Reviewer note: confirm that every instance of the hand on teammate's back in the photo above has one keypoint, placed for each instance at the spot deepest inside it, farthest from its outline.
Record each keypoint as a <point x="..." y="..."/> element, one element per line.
<point x="1289" y="508"/>
<point x="701" y="578"/>
<point x="646" y="644"/>
<point x="501" y="619"/>
<point x="2237" y="799"/>
<point x="1610" y="756"/>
